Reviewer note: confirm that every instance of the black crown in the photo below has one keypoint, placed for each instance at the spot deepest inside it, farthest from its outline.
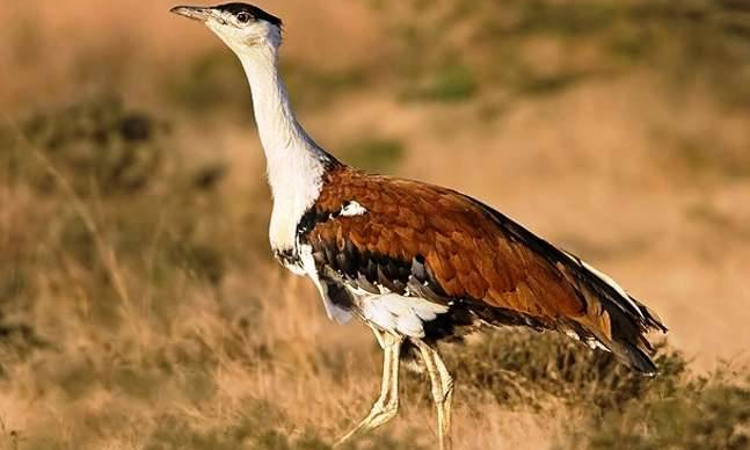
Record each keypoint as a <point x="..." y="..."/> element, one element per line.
<point x="259" y="14"/>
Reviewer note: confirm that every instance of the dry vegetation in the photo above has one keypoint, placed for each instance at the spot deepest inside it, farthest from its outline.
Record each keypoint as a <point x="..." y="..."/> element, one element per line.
<point x="139" y="307"/>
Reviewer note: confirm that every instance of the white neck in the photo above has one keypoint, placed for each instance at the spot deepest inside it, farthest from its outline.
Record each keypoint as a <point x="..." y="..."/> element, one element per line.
<point x="295" y="162"/>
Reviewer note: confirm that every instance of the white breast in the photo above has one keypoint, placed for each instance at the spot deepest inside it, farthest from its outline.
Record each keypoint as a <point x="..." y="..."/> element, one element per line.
<point x="295" y="185"/>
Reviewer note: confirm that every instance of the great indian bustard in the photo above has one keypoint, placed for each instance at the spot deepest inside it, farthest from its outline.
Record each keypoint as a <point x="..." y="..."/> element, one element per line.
<point x="418" y="263"/>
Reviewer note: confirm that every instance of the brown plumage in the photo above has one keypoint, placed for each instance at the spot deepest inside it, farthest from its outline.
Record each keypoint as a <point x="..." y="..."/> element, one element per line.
<point x="476" y="259"/>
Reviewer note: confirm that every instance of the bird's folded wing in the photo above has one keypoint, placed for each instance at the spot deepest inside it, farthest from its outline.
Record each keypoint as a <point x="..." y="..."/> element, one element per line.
<point x="391" y="235"/>
<point x="387" y="230"/>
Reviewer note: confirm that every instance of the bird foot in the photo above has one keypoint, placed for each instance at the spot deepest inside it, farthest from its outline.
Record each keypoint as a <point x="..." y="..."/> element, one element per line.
<point x="379" y="415"/>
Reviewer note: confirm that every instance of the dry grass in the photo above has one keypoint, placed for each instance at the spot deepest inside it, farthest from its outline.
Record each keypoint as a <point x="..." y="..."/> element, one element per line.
<point x="139" y="305"/>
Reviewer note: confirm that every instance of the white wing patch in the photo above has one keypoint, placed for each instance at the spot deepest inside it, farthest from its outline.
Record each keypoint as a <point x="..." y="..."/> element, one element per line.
<point x="399" y="314"/>
<point x="352" y="209"/>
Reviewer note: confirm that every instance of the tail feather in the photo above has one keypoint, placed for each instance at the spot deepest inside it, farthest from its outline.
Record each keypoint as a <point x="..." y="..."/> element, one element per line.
<point x="629" y="343"/>
<point x="634" y="357"/>
<point x="613" y="318"/>
<point x="620" y="322"/>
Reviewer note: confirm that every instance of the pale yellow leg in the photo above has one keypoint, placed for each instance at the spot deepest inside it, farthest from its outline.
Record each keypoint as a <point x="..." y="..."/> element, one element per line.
<point x="386" y="406"/>
<point x="442" y="390"/>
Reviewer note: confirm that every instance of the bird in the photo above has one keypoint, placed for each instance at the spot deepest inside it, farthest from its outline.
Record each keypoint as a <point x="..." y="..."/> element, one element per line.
<point x="418" y="263"/>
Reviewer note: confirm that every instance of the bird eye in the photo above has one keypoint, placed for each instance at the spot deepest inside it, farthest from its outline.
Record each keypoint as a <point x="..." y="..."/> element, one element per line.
<point x="243" y="17"/>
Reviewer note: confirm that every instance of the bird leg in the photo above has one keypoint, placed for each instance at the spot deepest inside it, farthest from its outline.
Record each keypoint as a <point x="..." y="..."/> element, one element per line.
<point x="442" y="390"/>
<point x="386" y="406"/>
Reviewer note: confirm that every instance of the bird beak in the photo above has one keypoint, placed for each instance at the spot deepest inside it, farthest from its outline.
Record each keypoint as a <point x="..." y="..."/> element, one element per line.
<point x="192" y="12"/>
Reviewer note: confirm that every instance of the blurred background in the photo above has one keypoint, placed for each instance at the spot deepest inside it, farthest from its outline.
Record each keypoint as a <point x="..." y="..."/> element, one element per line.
<point x="140" y="306"/>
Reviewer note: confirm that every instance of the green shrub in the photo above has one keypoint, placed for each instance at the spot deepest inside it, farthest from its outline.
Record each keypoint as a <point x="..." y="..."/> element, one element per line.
<point x="211" y="82"/>
<point x="711" y="413"/>
<point x="262" y="427"/>
<point x="526" y="368"/>
<point x="691" y="41"/>
<point x="375" y="154"/>
<point x="98" y="144"/>
<point x="621" y="409"/>
<point x="449" y="83"/>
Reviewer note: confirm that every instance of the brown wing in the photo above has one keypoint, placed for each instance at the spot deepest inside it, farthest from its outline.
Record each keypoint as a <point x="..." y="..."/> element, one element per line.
<point x="450" y="248"/>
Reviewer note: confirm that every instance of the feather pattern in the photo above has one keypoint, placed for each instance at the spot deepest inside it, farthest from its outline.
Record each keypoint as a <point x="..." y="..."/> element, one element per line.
<point x="475" y="265"/>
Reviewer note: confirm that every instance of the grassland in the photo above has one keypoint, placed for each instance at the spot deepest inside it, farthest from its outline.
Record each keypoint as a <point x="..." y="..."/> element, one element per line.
<point x="139" y="305"/>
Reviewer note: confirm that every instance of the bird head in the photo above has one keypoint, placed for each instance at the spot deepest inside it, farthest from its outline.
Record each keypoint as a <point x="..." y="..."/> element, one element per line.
<point x="241" y="26"/>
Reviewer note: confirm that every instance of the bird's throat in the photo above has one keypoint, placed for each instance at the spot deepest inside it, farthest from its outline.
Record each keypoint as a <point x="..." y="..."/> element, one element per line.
<point x="295" y="163"/>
